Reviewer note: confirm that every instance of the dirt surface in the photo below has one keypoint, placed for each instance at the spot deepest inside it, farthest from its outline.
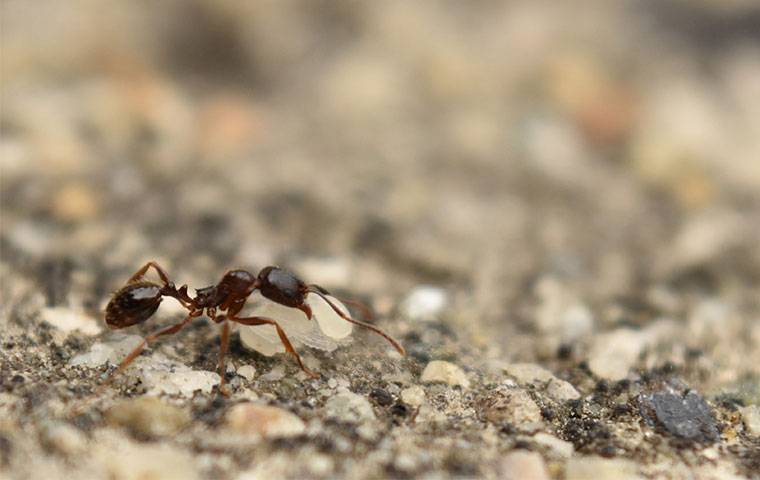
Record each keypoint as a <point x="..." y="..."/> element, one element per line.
<point x="554" y="207"/>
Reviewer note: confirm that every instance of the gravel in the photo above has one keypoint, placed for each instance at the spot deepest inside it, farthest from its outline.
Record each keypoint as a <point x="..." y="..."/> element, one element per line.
<point x="559" y="226"/>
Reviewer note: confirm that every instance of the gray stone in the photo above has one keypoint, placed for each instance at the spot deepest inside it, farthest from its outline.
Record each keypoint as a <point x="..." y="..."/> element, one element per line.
<point x="686" y="416"/>
<point x="513" y="406"/>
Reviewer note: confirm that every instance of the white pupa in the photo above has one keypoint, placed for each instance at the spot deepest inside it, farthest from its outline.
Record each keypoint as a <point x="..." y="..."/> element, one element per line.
<point x="325" y="331"/>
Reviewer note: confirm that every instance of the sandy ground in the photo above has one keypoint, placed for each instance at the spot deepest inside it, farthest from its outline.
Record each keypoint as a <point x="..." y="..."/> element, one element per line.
<point x="561" y="203"/>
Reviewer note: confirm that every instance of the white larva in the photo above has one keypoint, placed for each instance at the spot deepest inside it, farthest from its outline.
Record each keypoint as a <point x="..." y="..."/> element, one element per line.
<point x="325" y="331"/>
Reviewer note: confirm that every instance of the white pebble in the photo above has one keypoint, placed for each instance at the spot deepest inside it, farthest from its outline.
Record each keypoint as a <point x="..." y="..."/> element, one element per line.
<point x="113" y="350"/>
<point x="264" y="421"/>
<point x="413" y="396"/>
<point x="424" y="303"/>
<point x="68" y="320"/>
<point x="247" y="371"/>
<point x="439" y="371"/>
<point x="751" y="416"/>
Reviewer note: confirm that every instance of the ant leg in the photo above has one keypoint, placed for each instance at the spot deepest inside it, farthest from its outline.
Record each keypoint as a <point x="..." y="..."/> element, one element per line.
<point x="283" y="337"/>
<point x="366" y="312"/>
<point x="225" y="342"/>
<point x="368" y="326"/>
<point x="151" y="338"/>
<point x="141" y="272"/>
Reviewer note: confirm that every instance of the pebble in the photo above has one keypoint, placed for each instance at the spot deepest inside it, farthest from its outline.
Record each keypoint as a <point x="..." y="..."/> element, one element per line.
<point x="686" y="416"/>
<point x="69" y="320"/>
<point x="521" y="464"/>
<point x="751" y="416"/>
<point x="247" y="371"/>
<point x="128" y="461"/>
<point x="513" y="406"/>
<point x="413" y="396"/>
<point x="439" y="371"/>
<point x="529" y="373"/>
<point x="64" y="438"/>
<point x="165" y="377"/>
<point x="148" y="416"/>
<point x="75" y="203"/>
<point x="263" y="420"/>
<point x="613" y="354"/>
<point x="598" y="468"/>
<point x="116" y="346"/>
<point x="424" y="303"/>
<point x="347" y="406"/>
<point x="560" y="447"/>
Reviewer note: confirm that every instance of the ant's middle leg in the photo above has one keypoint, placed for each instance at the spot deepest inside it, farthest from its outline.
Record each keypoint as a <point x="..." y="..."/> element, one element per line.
<point x="223" y="347"/>
<point x="283" y="337"/>
<point x="151" y="338"/>
<point x="141" y="272"/>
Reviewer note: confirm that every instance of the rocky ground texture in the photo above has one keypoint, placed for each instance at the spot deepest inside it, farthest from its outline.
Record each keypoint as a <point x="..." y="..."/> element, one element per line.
<point x="554" y="208"/>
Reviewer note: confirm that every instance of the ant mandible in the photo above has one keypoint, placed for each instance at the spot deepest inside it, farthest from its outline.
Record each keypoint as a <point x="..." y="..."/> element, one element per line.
<point x="139" y="299"/>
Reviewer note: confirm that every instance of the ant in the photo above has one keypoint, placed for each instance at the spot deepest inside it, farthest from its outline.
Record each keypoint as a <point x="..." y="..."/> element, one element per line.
<point x="139" y="299"/>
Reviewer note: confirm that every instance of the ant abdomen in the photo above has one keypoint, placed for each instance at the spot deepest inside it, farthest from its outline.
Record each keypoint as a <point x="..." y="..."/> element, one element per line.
<point x="133" y="304"/>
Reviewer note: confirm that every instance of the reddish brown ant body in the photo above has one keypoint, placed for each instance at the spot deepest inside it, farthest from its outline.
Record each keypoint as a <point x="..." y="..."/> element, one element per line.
<point x="139" y="299"/>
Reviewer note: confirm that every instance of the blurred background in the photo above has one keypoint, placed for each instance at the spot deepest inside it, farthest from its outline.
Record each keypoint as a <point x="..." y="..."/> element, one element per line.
<point x="596" y="157"/>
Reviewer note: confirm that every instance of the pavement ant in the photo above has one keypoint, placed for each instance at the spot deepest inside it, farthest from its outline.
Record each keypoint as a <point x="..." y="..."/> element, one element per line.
<point x="139" y="299"/>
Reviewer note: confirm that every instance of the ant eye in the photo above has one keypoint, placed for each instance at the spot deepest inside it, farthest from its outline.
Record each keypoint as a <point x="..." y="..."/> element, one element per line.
<point x="133" y="304"/>
<point x="282" y="287"/>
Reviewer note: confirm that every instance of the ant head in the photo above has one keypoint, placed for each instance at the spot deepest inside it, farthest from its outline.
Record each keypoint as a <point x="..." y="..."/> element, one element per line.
<point x="283" y="287"/>
<point x="133" y="304"/>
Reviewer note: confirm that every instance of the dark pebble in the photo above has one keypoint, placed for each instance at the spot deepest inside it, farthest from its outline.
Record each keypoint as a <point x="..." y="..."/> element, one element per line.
<point x="381" y="397"/>
<point x="686" y="416"/>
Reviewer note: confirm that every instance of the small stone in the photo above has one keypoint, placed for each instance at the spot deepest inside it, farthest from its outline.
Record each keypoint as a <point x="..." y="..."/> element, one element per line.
<point x="320" y="465"/>
<point x="381" y="397"/>
<point x="276" y="374"/>
<point x="439" y="371"/>
<point x="511" y="405"/>
<point x="525" y="373"/>
<point x="424" y="303"/>
<point x="148" y="416"/>
<point x="64" y="439"/>
<point x="165" y="377"/>
<point x="528" y="374"/>
<point x="332" y="383"/>
<point x="75" y="203"/>
<point x="247" y="371"/>
<point x="346" y="406"/>
<point x="613" y="354"/>
<point x="413" y="396"/>
<point x="560" y="447"/>
<point x="686" y="416"/>
<point x="116" y="346"/>
<point x="69" y="320"/>
<point x="751" y="416"/>
<point x="562" y="390"/>
<point x="521" y="464"/>
<point x="128" y="461"/>
<point x="264" y="421"/>
<point x="598" y="468"/>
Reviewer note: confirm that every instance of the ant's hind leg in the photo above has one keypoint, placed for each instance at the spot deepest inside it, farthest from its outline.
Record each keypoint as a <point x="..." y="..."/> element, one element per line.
<point x="141" y="272"/>
<point x="151" y="338"/>
<point x="283" y="338"/>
